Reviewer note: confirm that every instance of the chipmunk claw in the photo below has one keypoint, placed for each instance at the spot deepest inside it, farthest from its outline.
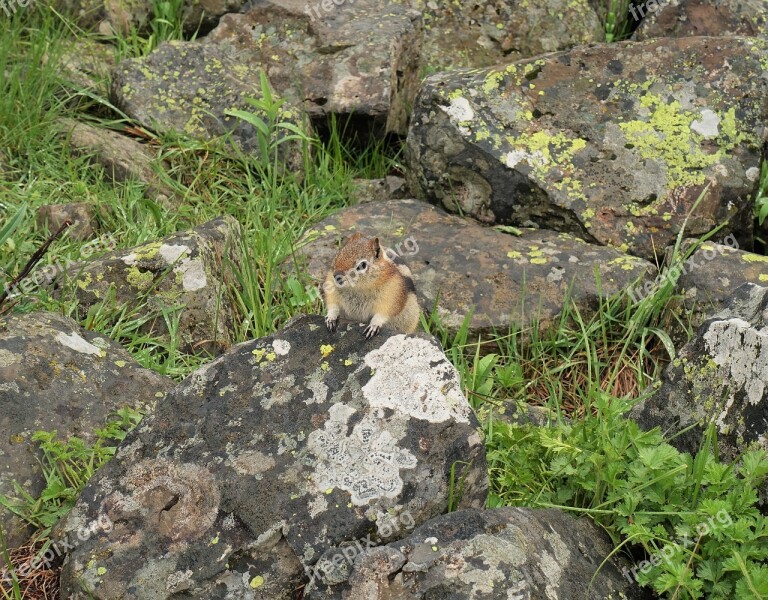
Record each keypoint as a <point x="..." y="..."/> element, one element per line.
<point x="371" y="331"/>
<point x="332" y="324"/>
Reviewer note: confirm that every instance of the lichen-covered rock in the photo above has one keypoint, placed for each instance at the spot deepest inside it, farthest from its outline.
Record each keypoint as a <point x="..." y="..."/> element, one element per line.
<point x="270" y="455"/>
<point x="361" y="59"/>
<point x="711" y="274"/>
<point x="123" y="158"/>
<point x="683" y="18"/>
<point x="507" y="279"/>
<point x="484" y="33"/>
<point x="612" y="143"/>
<point x="186" y="274"/>
<point x="189" y="86"/>
<point x="55" y="375"/>
<point x="719" y="377"/>
<point x="500" y="554"/>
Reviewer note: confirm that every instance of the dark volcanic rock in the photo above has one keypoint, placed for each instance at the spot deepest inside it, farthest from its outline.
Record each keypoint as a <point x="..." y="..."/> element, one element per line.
<point x="719" y="377"/>
<point x="360" y="60"/>
<point x="700" y="17"/>
<point x="270" y="455"/>
<point x="612" y="143"/>
<point x="508" y="279"/>
<point x="54" y="375"/>
<point x="501" y="554"/>
<point x="184" y="274"/>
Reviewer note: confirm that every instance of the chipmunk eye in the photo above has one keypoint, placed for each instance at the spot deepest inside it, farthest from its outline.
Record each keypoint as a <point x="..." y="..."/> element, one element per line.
<point x="362" y="265"/>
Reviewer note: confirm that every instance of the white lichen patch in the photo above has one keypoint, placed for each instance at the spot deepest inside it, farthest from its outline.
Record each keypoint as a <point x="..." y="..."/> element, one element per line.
<point x="707" y="124"/>
<point x="459" y="110"/>
<point x="366" y="463"/>
<point x="741" y="353"/>
<point x="413" y="376"/>
<point x="193" y="275"/>
<point x="179" y="580"/>
<point x="281" y="347"/>
<point x="318" y="505"/>
<point x="493" y="551"/>
<point x="78" y="344"/>
<point x="8" y="358"/>
<point x="512" y="158"/>
<point x="172" y="252"/>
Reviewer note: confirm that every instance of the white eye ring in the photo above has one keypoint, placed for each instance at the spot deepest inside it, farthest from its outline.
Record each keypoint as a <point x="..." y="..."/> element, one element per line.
<point x="362" y="266"/>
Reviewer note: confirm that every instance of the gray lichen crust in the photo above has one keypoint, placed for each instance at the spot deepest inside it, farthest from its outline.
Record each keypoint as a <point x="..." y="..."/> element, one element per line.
<point x="269" y="456"/>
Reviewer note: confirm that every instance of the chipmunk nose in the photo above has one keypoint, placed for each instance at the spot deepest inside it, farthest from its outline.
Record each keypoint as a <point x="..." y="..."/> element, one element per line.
<point x="339" y="277"/>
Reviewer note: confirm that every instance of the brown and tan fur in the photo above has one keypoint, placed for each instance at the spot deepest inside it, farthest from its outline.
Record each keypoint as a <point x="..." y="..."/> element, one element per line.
<point x="377" y="291"/>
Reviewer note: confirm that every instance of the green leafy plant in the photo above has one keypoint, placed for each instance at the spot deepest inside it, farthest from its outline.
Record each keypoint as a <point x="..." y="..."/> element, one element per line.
<point x="761" y="198"/>
<point x="694" y="518"/>
<point x="616" y="20"/>
<point x="67" y="466"/>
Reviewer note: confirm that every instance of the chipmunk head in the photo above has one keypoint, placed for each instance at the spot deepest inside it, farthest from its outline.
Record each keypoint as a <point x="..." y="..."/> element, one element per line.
<point x="358" y="258"/>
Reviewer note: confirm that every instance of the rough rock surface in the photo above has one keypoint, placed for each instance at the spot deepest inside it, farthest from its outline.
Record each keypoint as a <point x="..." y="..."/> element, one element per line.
<point x="54" y="375"/>
<point x="185" y="274"/>
<point x="720" y="377"/>
<point x="268" y="456"/>
<point x="711" y="274"/>
<point x="481" y="34"/>
<point x="373" y="190"/>
<point x="110" y="16"/>
<point x="361" y="59"/>
<point x="612" y="143"/>
<point x="499" y="554"/>
<point x="189" y="86"/>
<point x="81" y="215"/>
<point x="682" y="18"/>
<point x="509" y="279"/>
<point x="123" y="158"/>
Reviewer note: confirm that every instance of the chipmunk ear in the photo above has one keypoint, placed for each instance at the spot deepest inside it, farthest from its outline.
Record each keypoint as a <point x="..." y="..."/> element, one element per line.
<point x="353" y="238"/>
<point x="376" y="247"/>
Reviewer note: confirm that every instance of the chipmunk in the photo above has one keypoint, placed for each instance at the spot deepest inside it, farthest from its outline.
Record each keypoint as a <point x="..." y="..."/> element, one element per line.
<point x="366" y="285"/>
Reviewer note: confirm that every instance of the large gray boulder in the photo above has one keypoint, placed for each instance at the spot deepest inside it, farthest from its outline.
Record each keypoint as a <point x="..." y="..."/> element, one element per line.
<point x="359" y="61"/>
<point x="507" y="280"/>
<point x="720" y="378"/>
<point x="270" y="455"/>
<point x="55" y="375"/>
<point x="186" y="275"/>
<point x="611" y="143"/>
<point x="501" y="554"/>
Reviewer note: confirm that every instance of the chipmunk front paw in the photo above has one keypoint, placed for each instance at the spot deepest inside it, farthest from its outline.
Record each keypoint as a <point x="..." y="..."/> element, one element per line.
<point x="332" y="323"/>
<point x="371" y="330"/>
